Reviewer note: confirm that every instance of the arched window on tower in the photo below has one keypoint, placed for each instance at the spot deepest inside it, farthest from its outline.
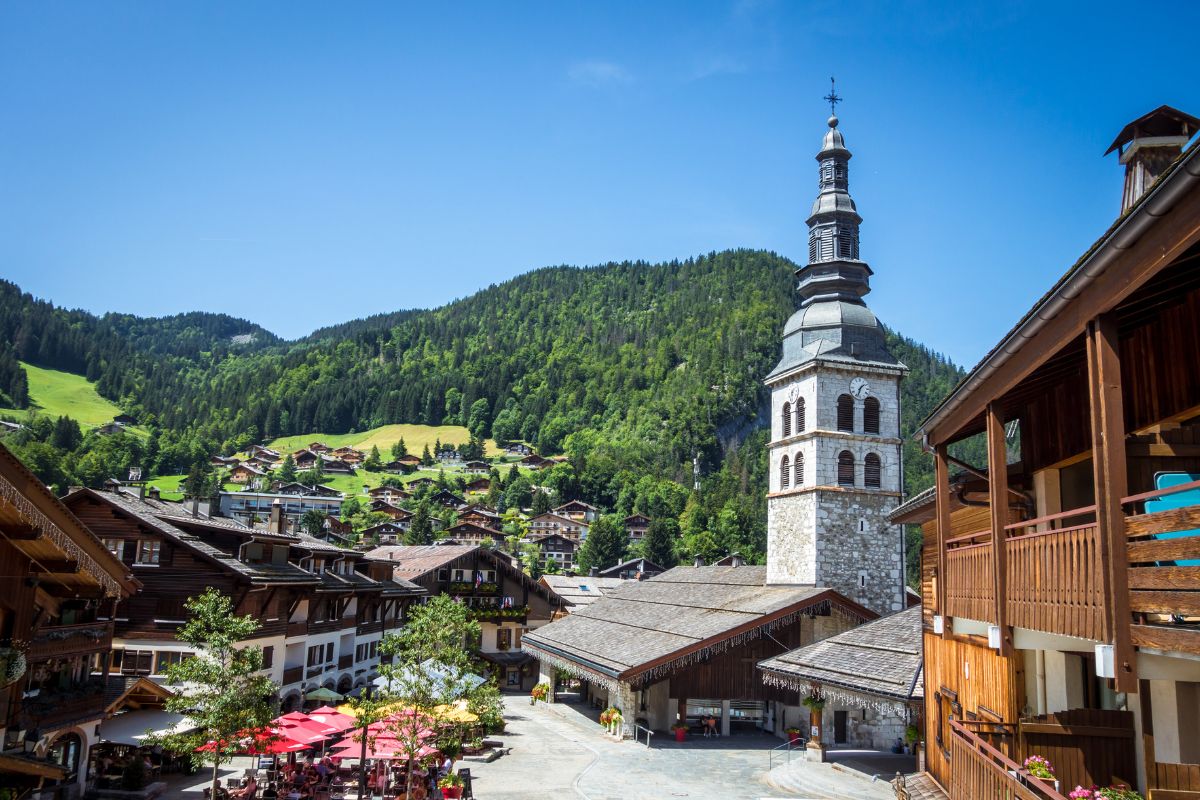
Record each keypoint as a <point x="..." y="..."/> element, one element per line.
<point x="799" y="469"/>
<point x="845" y="413"/>
<point x="845" y="468"/>
<point x="800" y="415"/>
<point x="787" y="419"/>
<point x="872" y="471"/>
<point x="785" y="478"/>
<point x="871" y="415"/>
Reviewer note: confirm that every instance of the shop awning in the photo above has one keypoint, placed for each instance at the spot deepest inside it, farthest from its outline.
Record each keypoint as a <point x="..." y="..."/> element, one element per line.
<point x="508" y="659"/>
<point x="131" y="727"/>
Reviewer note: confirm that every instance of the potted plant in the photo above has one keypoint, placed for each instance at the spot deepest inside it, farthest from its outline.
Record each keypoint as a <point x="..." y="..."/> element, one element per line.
<point x="451" y="786"/>
<point x="1041" y="769"/>
<point x="611" y="718"/>
<point x="1118" y="792"/>
<point x="794" y="735"/>
<point x="539" y="692"/>
<point x="912" y="737"/>
<point x="680" y="729"/>
<point x="815" y="703"/>
<point x="12" y="663"/>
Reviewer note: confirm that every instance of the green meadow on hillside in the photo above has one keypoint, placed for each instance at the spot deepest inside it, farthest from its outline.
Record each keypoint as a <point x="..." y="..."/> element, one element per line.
<point x="55" y="394"/>
<point x="416" y="437"/>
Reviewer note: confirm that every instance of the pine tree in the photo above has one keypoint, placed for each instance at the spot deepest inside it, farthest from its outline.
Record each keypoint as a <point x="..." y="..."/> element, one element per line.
<point x="420" y="531"/>
<point x="658" y="545"/>
<point x="399" y="449"/>
<point x="605" y="544"/>
<point x="426" y="458"/>
<point x="287" y="470"/>
<point x="541" y="503"/>
<point x="373" y="462"/>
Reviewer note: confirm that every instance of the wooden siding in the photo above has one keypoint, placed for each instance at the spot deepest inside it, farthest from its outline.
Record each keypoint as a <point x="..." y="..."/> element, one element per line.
<point x="734" y="674"/>
<point x="968" y="680"/>
<point x="1088" y="747"/>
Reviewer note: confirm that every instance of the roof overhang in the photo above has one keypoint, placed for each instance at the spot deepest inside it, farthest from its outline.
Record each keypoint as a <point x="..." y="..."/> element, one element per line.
<point x="1142" y="242"/>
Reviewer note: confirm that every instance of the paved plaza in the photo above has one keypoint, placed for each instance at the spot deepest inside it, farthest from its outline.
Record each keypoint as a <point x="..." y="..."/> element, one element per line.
<point x="559" y="751"/>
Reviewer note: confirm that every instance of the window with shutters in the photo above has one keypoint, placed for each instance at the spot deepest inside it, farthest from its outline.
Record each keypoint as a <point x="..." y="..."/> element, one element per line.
<point x="871" y="415"/>
<point x="787" y="419"/>
<point x="798" y="469"/>
<point x="785" y="466"/>
<point x="845" y="469"/>
<point x="845" y="413"/>
<point x="137" y="662"/>
<point x="799" y="412"/>
<point x="872" y="471"/>
<point x="148" y="551"/>
<point x="814" y="245"/>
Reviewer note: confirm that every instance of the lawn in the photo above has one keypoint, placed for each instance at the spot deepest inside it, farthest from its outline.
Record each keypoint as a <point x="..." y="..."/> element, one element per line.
<point x="56" y="394"/>
<point x="416" y="437"/>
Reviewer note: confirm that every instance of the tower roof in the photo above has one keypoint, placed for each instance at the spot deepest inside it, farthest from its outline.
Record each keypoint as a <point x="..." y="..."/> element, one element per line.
<point x="833" y="323"/>
<point x="1162" y="121"/>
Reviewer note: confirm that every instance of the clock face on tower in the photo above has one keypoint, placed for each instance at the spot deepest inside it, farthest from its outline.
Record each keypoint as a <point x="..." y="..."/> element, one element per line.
<point x="859" y="387"/>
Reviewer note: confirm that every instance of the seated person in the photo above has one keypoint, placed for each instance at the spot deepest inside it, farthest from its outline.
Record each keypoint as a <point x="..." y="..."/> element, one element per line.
<point x="270" y="793"/>
<point x="248" y="791"/>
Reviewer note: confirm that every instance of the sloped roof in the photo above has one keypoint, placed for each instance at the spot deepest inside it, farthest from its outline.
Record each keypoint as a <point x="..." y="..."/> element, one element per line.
<point x="881" y="658"/>
<point x="650" y="626"/>
<point x="581" y="590"/>
<point x="413" y="561"/>
<point x="640" y="564"/>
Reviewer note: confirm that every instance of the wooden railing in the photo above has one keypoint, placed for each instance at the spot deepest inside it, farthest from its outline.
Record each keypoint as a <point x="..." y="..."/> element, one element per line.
<point x="1169" y="780"/>
<point x="297" y="628"/>
<point x="970" y="585"/>
<point x="1055" y="580"/>
<point x="978" y="770"/>
<point x="1161" y="591"/>
<point x="293" y="675"/>
<point x="68" y="640"/>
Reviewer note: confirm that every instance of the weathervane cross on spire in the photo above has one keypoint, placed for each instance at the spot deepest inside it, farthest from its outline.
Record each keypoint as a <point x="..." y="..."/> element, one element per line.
<point x="832" y="97"/>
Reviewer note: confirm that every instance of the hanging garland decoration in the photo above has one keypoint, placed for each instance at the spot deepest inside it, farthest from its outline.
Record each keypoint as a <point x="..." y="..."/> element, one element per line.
<point x="34" y="516"/>
<point x="571" y="668"/>
<point x="825" y="607"/>
<point x="840" y="697"/>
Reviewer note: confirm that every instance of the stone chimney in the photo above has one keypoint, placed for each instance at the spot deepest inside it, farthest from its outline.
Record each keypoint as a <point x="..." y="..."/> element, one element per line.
<point x="735" y="559"/>
<point x="699" y="562"/>
<point x="276" y="524"/>
<point x="594" y="572"/>
<point x="153" y="492"/>
<point x="1147" y="147"/>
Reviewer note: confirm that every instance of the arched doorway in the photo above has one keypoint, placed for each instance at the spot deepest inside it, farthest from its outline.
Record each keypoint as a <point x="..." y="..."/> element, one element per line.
<point x="345" y="684"/>
<point x="66" y="751"/>
<point x="291" y="702"/>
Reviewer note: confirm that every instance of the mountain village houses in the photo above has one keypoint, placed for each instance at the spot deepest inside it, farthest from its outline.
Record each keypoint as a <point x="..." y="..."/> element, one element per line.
<point x="1060" y="577"/>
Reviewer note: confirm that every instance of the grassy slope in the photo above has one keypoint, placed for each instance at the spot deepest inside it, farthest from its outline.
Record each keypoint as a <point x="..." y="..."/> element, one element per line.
<point x="56" y="394"/>
<point x="415" y="438"/>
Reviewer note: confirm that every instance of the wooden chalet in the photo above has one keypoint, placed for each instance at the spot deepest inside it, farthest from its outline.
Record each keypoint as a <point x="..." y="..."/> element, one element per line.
<point x="638" y="569"/>
<point x="402" y="465"/>
<point x="318" y="604"/>
<point x="481" y="515"/>
<point x="534" y="461"/>
<point x="1061" y="578"/>
<point x="336" y="466"/>
<point x="636" y="526"/>
<point x="60" y="588"/>
<point x="518" y="449"/>
<point x="478" y="486"/>
<point x="419" y="482"/>
<point x="556" y="549"/>
<point x="476" y="467"/>
<point x="389" y="494"/>
<point x="350" y="455"/>
<point x="305" y="459"/>
<point x="506" y="601"/>
<point x="548" y="523"/>
<point x="869" y="678"/>
<point x="257" y="450"/>
<point x="684" y="644"/>
<point x="473" y="533"/>
<point x="578" y="510"/>
<point x="447" y="498"/>
<point x="246" y="473"/>
<point x="384" y="533"/>
<point x="320" y="447"/>
<point x="400" y="515"/>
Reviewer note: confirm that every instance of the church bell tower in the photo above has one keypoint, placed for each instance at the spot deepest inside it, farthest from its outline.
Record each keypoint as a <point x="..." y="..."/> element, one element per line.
<point x="835" y="469"/>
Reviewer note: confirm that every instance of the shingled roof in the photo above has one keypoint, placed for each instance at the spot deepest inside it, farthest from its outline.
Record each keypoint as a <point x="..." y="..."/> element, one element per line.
<point x="646" y="629"/>
<point x="881" y="658"/>
<point x="581" y="590"/>
<point x="413" y="561"/>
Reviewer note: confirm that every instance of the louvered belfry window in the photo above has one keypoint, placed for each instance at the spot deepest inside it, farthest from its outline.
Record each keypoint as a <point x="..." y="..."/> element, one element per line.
<point x="872" y="471"/>
<point x="799" y="469"/>
<point x="784" y="470"/>
<point x="845" y="468"/>
<point x="787" y="419"/>
<point x="800" y="415"/>
<point x="845" y="413"/>
<point x="871" y="415"/>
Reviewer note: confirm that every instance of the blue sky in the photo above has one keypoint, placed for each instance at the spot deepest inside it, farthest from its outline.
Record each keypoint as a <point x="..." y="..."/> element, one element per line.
<point x="301" y="164"/>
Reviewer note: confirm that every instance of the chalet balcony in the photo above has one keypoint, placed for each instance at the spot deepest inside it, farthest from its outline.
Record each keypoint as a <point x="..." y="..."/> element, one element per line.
<point x="983" y="770"/>
<point x="325" y="626"/>
<point x="293" y="675"/>
<point x="497" y="614"/>
<point x="297" y="629"/>
<point x="60" y="708"/>
<point x="349" y="622"/>
<point x="345" y="662"/>
<point x="1056" y="576"/>
<point x="469" y="587"/>
<point x="371" y="626"/>
<point x="70" y="640"/>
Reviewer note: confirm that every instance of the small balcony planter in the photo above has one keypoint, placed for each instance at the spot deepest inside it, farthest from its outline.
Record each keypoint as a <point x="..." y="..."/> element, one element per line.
<point x="12" y="665"/>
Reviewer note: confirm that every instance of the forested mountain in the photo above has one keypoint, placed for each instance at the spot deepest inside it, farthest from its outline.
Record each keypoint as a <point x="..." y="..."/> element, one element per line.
<point x="631" y="369"/>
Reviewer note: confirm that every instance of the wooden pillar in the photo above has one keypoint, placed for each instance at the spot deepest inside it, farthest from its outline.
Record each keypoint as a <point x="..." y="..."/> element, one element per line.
<point x="941" y="482"/>
<point x="682" y="711"/>
<point x="1112" y="483"/>
<point x="998" y="500"/>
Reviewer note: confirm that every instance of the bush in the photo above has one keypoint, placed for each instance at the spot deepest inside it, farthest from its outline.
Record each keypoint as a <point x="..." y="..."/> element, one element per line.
<point x="133" y="778"/>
